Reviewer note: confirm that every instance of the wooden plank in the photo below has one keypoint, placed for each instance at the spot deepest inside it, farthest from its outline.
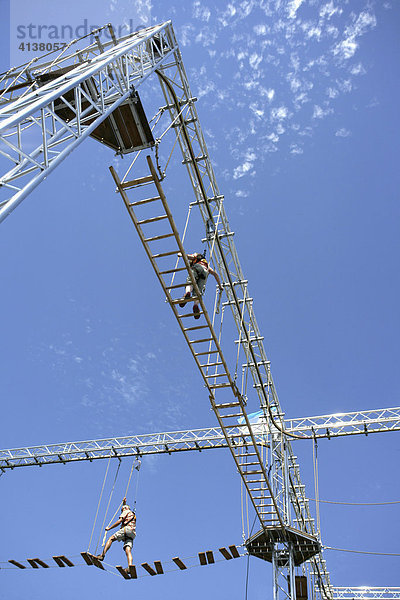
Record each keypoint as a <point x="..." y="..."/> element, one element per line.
<point x="179" y="563"/>
<point x="234" y="551"/>
<point x="62" y="561"/>
<point x="210" y="557"/>
<point x="225" y="553"/>
<point x="123" y="572"/>
<point x="36" y="563"/>
<point x="132" y="571"/>
<point x="86" y="557"/>
<point x="149" y="569"/>
<point x="17" y="564"/>
<point x="136" y="182"/>
<point x="97" y="563"/>
<point x="202" y="558"/>
<point x="158" y="567"/>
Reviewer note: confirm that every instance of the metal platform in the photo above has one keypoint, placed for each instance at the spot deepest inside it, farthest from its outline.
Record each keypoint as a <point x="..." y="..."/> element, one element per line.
<point x="125" y="130"/>
<point x="263" y="543"/>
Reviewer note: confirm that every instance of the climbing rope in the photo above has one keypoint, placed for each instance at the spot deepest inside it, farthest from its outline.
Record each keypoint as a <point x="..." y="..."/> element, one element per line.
<point x="136" y="463"/>
<point x="98" y="504"/>
<point x="108" y="505"/>
<point x="316" y="485"/>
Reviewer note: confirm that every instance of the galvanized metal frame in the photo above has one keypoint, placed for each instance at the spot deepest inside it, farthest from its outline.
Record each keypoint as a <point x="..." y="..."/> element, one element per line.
<point x="116" y="71"/>
<point x="193" y="440"/>
<point x="366" y="593"/>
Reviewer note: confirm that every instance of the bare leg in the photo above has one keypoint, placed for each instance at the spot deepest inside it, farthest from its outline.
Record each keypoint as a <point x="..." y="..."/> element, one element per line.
<point x="128" y="555"/>
<point x="106" y="548"/>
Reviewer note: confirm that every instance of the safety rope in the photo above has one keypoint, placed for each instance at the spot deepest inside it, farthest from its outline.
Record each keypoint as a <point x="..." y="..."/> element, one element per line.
<point x="316" y="485"/>
<point x="240" y="335"/>
<point x="108" y="505"/>
<point x="361" y="551"/>
<point x="98" y="504"/>
<point x="183" y="241"/>
<point x="135" y="464"/>
<point x="357" y="503"/>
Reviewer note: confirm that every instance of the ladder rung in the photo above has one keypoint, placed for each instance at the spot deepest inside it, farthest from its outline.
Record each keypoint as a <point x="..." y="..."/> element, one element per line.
<point x="153" y="220"/>
<point x="159" y="237"/>
<point x="249" y="464"/>
<point x="177" y="285"/>
<point x="221" y="385"/>
<point x="232" y="416"/>
<point x="206" y="353"/>
<point x="162" y="254"/>
<point x="256" y="472"/>
<point x="194" y="328"/>
<point x="228" y="405"/>
<point x="216" y="364"/>
<point x="136" y="182"/>
<point x="145" y="201"/>
<point x="216" y="375"/>
<point x="199" y="341"/>
<point x="172" y="271"/>
<point x="178" y="300"/>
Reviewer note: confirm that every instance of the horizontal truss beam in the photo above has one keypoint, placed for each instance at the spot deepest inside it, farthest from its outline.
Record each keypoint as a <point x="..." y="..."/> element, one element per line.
<point x="387" y="419"/>
<point x="366" y="593"/>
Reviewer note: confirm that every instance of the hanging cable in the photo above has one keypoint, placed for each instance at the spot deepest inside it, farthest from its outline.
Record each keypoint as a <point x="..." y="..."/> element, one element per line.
<point x="361" y="551"/>
<point x="316" y="485"/>
<point x="98" y="504"/>
<point x="136" y="463"/>
<point x="108" y="504"/>
<point x="357" y="503"/>
<point x="183" y="241"/>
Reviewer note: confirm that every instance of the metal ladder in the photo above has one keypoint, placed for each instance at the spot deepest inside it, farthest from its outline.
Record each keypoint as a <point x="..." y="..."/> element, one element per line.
<point x="201" y="339"/>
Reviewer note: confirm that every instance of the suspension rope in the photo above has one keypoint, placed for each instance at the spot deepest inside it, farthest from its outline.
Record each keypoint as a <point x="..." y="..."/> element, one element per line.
<point x="240" y="335"/>
<point x="183" y="240"/>
<point x="361" y="551"/>
<point x="108" y="505"/>
<point x="316" y="485"/>
<point x="98" y="504"/>
<point x="137" y="465"/>
<point x="357" y="503"/>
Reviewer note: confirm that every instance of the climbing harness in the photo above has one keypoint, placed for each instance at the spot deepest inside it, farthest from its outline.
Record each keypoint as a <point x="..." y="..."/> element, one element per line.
<point x="136" y="463"/>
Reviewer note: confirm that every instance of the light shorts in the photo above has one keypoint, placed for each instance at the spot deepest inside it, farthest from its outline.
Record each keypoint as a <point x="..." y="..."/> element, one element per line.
<point x="125" y="535"/>
<point x="200" y="276"/>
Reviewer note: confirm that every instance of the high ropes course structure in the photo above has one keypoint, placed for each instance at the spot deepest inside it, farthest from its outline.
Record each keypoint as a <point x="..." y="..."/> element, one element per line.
<point x="62" y="98"/>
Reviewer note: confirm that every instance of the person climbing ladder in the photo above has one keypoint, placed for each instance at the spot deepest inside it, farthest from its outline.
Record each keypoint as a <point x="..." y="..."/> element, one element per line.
<point x="126" y="533"/>
<point x="200" y="270"/>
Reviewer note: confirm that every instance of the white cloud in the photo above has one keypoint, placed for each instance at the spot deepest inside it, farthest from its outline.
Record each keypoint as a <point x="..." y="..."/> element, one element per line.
<point x="342" y="132"/>
<point x="320" y="113"/>
<point x="280" y="113"/>
<point x="255" y="60"/>
<point x="201" y="12"/>
<point x="293" y="7"/>
<point x="295" y="149"/>
<point x="260" y="29"/>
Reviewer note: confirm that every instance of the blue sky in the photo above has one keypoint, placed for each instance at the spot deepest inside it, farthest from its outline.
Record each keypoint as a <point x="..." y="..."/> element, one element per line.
<point x="298" y="104"/>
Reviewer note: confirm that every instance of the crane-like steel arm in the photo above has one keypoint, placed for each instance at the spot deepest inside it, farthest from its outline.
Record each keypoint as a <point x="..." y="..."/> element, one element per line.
<point x="88" y="85"/>
<point x="354" y="423"/>
<point x="366" y="593"/>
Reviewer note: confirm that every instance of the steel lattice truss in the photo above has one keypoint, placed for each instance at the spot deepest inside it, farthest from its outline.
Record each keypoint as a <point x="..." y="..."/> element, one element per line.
<point x="366" y="593"/>
<point x="195" y="440"/>
<point x="367" y="421"/>
<point x="101" y="77"/>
